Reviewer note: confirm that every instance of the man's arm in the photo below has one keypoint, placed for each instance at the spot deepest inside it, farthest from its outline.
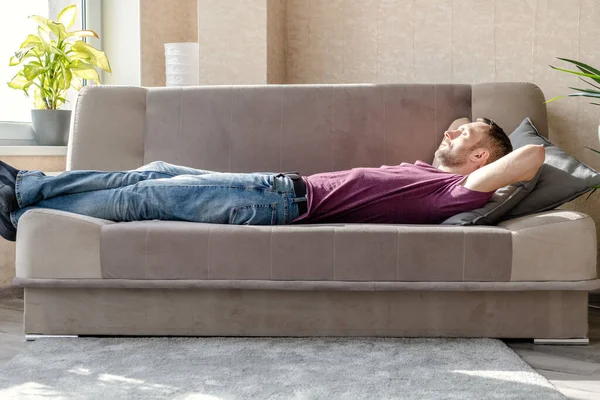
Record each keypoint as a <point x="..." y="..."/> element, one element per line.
<point x="519" y="165"/>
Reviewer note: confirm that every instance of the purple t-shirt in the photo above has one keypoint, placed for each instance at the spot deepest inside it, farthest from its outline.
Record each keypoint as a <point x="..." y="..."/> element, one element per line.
<point x="400" y="194"/>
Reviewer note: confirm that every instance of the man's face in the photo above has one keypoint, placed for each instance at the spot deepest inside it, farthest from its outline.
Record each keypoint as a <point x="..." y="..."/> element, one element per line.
<point x="458" y="145"/>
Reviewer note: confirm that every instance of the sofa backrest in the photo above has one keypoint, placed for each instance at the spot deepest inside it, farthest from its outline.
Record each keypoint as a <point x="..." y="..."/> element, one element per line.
<point x="273" y="128"/>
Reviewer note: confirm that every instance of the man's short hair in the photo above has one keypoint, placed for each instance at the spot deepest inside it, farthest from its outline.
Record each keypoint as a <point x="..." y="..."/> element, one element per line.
<point x="497" y="141"/>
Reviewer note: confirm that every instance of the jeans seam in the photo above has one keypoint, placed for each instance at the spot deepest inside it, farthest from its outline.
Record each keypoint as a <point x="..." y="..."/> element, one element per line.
<point x="286" y="208"/>
<point x="151" y="170"/>
<point x="18" y="188"/>
<point x="272" y="206"/>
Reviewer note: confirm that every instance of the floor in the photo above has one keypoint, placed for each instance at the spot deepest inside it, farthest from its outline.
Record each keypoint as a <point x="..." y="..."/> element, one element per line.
<point x="574" y="370"/>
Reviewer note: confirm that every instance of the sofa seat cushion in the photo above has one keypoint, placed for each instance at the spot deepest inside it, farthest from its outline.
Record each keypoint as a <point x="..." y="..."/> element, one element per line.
<point x="53" y="244"/>
<point x="551" y="246"/>
<point x="323" y="252"/>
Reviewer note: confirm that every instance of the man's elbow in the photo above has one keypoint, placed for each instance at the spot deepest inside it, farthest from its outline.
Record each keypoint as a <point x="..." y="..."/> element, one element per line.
<point x="540" y="156"/>
<point x="537" y="157"/>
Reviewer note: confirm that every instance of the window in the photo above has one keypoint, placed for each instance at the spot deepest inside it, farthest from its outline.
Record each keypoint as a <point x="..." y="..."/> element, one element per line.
<point x="15" y="107"/>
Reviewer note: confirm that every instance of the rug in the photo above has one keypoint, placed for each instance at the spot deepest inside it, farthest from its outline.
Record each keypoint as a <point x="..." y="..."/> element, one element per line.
<point x="270" y="368"/>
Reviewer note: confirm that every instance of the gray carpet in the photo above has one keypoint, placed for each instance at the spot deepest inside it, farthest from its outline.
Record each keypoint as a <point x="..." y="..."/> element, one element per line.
<point x="270" y="368"/>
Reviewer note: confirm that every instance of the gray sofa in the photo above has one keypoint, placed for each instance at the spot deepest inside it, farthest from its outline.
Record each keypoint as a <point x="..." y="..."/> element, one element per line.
<point x="525" y="278"/>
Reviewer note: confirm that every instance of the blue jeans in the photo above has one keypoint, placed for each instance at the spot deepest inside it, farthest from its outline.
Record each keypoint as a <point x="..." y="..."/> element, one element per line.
<point x="162" y="191"/>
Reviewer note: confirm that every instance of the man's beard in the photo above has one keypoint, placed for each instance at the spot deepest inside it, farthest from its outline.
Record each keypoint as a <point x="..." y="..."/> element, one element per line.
<point x="448" y="158"/>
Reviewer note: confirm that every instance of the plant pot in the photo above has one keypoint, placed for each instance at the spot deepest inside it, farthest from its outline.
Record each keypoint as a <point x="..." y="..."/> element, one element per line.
<point x="51" y="127"/>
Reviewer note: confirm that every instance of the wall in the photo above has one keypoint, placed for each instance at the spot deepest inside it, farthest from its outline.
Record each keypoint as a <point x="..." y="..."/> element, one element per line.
<point x="233" y="39"/>
<point x="239" y="42"/>
<point x="276" y="41"/>
<point x="163" y="21"/>
<point x="120" y="37"/>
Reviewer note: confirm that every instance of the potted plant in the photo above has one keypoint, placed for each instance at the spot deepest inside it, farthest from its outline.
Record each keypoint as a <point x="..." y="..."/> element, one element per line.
<point x="586" y="71"/>
<point x="593" y="75"/>
<point x="50" y="63"/>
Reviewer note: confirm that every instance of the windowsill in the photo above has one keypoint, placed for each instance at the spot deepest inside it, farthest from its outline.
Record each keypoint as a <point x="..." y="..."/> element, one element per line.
<point x="33" y="151"/>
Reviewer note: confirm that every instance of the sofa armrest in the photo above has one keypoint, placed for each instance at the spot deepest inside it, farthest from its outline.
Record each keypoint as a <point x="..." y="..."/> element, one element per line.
<point x="564" y="243"/>
<point x="50" y="242"/>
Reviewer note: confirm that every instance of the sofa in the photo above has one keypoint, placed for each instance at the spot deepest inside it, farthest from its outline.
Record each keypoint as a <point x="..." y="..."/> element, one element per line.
<point x="527" y="277"/>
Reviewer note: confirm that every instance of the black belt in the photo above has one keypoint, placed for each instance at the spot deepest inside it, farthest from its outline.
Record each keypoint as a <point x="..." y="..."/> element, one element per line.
<point x="299" y="190"/>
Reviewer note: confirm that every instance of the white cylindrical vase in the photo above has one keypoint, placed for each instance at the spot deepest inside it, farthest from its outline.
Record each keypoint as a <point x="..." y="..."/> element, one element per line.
<point x="181" y="64"/>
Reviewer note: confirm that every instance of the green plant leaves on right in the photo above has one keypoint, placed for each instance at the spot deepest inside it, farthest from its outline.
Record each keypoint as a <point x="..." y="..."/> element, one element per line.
<point x="585" y="70"/>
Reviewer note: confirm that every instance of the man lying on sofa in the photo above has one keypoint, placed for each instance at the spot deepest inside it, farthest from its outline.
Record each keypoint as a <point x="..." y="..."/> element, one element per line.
<point x="471" y="162"/>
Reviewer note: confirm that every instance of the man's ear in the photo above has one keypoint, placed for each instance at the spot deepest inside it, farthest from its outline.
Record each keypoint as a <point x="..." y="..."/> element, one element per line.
<point x="480" y="155"/>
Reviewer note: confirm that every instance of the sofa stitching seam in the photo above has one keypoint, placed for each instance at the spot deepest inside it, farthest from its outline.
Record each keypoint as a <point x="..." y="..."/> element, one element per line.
<point x="549" y="224"/>
<point x="81" y="219"/>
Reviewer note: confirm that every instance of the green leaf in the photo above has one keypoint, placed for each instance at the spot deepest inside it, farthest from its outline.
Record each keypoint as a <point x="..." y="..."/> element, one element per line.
<point x="27" y="53"/>
<point x="589" y="83"/>
<point x="586" y="90"/>
<point x="594" y="150"/>
<point x="65" y="77"/>
<point x="31" y="71"/>
<point x="76" y="83"/>
<point x="592" y="192"/>
<point x="67" y="16"/>
<point x="19" y="82"/>
<point x="85" y="71"/>
<point x="50" y="26"/>
<point x="590" y="69"/>
<point x="82" y="34"/>
<point x="553" y="99"/>
<point x="32" y="41"/>
<point x="576" y="73"/>
<point x="45" y="38"/>
<point x="588" y="72"/>
<point x="14" y="61"/>
<point x="584" y="95"/>
<point x="78" y="55"/>
<point x="38" y="99"/>
<point x="97" y="57"/>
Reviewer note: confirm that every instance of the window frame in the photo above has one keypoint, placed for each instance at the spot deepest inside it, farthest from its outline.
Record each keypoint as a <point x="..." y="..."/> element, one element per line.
<point x="21" y="133"/>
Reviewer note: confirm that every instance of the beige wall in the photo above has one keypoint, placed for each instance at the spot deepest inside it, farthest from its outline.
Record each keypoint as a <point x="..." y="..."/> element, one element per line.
<point x="276" y="41"/>
<point x="239" y="42"/>
<point x="164" y="21"/>
<point x="232" y="37"/>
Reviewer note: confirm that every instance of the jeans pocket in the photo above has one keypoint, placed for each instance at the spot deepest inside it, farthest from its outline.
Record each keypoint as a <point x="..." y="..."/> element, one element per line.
<point x="257" y="214"/>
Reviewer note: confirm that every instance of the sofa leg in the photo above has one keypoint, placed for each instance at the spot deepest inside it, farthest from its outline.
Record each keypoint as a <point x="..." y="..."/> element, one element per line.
<point x="563" y="342"/>
<point x="31" y="338"/>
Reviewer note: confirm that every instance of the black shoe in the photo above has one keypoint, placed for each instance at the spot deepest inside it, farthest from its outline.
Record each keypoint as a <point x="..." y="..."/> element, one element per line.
<point x="8" y="171"/>
<point x="8" y="200"/>
<point x="7" y="229"/>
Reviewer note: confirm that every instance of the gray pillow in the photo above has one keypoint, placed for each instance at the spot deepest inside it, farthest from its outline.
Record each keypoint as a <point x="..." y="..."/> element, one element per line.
<point x="502" y="201"/>
<point x="562" y="178"/>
